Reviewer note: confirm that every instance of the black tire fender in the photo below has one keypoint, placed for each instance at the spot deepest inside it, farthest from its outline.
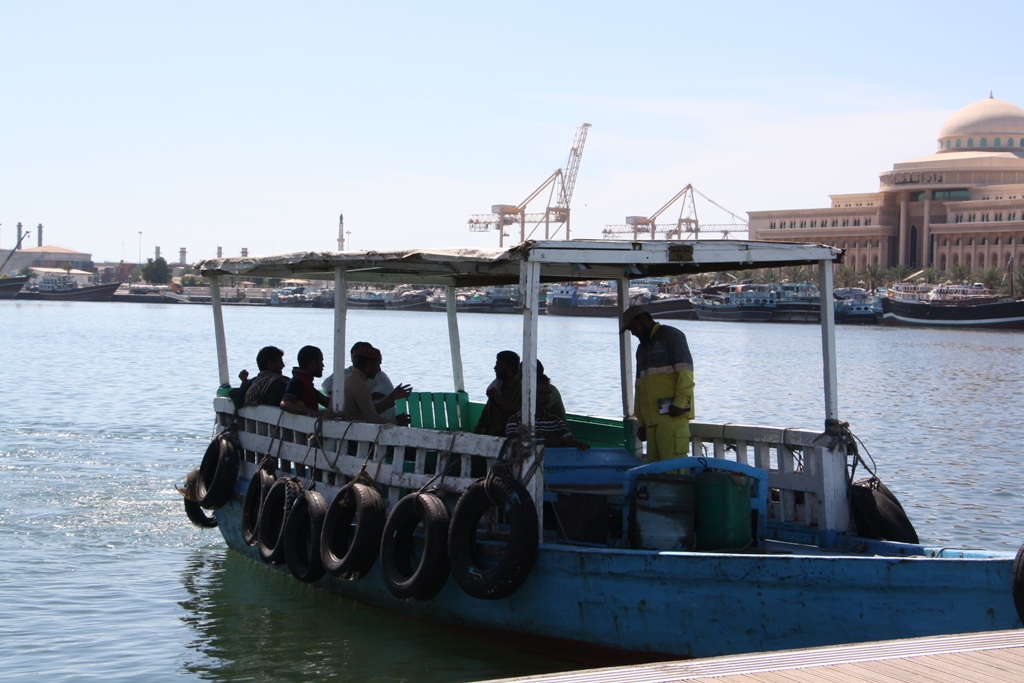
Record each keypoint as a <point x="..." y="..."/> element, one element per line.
<point x="274" y="517"/>
<point x="194" y="510"/>
<point x="412" y="572"/>
<point x="352" y="531"/>
<point x="218" y="472"/>
<point x="302" y="537"/>
<point x="1017" y="583"/>
<point x="252" y="503"/>
<point x="478" y="577"/>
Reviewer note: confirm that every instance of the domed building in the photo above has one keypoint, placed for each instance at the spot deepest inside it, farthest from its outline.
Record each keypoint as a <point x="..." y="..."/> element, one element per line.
<point x="962" y="205"/>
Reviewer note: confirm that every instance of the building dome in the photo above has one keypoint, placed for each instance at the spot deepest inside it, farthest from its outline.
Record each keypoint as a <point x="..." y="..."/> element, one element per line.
<point x="987" y="123"/>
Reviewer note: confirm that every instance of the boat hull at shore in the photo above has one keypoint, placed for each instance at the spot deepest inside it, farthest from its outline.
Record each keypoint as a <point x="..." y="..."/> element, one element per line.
<point x="94" y="293"/>
<point x="789" y="601"/>
<point x="1007" y="315"/>
<point x="675" y="308"/>
<point x="10" y="286"/>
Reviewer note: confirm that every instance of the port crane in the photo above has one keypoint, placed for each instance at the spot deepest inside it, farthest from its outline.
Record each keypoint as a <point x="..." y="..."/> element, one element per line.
<point x="559" y="184"/>
<point x="687" y="225"/>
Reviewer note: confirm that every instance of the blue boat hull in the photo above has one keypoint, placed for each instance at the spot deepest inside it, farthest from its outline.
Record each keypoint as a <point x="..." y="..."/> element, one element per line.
<point x="679" y="604"/>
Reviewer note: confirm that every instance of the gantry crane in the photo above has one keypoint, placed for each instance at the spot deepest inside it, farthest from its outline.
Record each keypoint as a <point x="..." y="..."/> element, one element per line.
<point x="556" y="213"/>
<point x="686" y="225"/>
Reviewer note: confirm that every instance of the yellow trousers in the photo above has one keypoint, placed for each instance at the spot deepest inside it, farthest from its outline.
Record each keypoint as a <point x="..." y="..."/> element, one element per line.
<point x="668" y="440"/>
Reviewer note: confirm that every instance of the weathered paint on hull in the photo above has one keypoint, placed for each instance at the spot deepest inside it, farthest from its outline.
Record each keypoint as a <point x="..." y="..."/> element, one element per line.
<point x="700" y="605"/>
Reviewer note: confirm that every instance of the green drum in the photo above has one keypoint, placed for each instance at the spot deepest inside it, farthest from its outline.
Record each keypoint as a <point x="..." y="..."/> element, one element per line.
<point x="723" y="510"/>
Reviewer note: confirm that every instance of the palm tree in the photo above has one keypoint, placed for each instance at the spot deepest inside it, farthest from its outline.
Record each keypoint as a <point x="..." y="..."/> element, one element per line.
<point x="897" y="272"/>
<point x="846" y="276"/>
<point x="767" y="276"/>
<point x="930" y="275"/>
<point x="795" y="273"/>
<point x="960" y="273"/>
<point x="873" y="274"/>
<point x="992" y="278"/>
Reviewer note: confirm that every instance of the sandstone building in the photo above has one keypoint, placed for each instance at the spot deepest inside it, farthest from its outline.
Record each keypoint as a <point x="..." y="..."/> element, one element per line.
<point x="962" y="205"/>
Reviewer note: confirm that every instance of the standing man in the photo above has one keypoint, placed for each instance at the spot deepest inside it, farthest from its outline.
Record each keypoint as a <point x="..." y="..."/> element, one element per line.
<point x="663" y="401"/>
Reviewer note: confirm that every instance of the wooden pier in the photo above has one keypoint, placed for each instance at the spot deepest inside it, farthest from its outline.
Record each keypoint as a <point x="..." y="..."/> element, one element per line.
<point x="990" y="657"/>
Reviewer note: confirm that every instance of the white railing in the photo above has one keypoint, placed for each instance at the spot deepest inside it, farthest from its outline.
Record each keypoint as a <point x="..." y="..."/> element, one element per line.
<point x="401" y="458"/>
<point x="807" y="478"/>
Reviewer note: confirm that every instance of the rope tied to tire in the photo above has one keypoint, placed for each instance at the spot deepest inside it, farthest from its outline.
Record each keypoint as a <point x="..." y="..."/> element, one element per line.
<point x="441" y="470"/>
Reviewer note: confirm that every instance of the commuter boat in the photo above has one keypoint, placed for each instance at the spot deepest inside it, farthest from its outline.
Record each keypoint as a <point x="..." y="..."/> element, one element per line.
<point x="796" y="302"/>
<point x="63" y="287"/>
<point x="740" y="302"/>
<point x="602" y="302"/>
<point x="856" y="306"/>
<point x="593" y="555"/>
<point x="952" y="306"/>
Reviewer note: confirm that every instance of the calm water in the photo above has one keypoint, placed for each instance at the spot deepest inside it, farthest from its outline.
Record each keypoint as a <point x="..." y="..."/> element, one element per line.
<point x="106" y="406"/>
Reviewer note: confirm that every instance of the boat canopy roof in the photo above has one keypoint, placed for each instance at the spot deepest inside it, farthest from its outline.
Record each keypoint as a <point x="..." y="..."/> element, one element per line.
<point x="561" y="261"/>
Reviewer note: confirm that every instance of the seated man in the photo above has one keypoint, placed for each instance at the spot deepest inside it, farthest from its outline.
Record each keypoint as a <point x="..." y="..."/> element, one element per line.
<point x="555" y="405"/>
<point x="358" y="404"/>
<point x="383" y="392"/>
<point x="548" y="429"/>
<point x="300" y="396"/>
<point x="503" y="395"/>
<point x="267" y="389"/>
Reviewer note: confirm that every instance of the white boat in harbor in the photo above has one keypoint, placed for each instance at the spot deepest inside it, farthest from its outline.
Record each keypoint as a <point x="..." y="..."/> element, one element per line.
<point x="580" y="552"/>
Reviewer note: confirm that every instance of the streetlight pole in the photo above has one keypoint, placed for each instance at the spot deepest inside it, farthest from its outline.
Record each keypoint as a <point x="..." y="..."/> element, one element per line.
<point x="348" y="238"/>
<point x="140" y="248"/>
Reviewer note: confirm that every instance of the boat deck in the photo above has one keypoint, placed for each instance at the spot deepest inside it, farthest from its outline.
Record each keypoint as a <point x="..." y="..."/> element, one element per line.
<point x="976" y="657"/>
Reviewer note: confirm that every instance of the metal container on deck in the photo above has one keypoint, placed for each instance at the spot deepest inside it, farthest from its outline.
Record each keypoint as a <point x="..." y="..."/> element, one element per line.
<point x="664" y="512"/>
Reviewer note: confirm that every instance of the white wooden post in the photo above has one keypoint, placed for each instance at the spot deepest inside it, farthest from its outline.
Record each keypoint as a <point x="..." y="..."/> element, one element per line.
<point x="529" y="296"/>
<point x="625" y="350"/>
<point x="529" y="293"/>
<point x="453" y="338"/>
<point x="218" y="330"/>
<point x="828" y="339"/>
<point x="340" y="356"/>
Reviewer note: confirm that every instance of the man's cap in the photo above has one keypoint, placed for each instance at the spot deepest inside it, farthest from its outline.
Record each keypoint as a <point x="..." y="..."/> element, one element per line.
<point x="369" y="352"/>
<point x="628" y="315"/>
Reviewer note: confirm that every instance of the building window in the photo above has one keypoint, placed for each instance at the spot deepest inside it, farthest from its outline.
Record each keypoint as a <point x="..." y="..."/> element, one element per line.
<point x="814" y="224"/>
<point x="984" y="142"/>
<point x="1012" y="216"/>
<point x="984" y="241"/>
<point x="803" y="224"/>
<point x="958" y="143"/>
<point x="856" y="222"/>
<point x="846" y="224"/>
<point x="958" y="241"/>
<point x="971" y="217"/>
<point x="792" y="224"/>
<point x="999" y="216"/>
<point x="771" y="226"/>
<point x="867" y="221"/>
<point x="997" y="240"/>
<point x="970" y="142"/>
<point x="948" y="143"/>
<point x="1009" y="142"/>
<point x="834" y="222"/>
<point x="945" y="242"/>
<point x="996" y="143"/>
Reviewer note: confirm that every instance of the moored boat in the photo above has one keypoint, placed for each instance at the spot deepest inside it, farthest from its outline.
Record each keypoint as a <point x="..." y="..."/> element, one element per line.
<point x="64" y="288"/>
<point x="590" y="550"/>
<point x="856" y="306"/>
<point x="951" y="306"/>
<point x="10" y="286"/>
<point x="740" y="302"/>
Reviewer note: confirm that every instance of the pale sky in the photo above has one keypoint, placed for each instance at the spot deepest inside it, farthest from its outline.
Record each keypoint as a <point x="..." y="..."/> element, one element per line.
<point x="254" y="124"/>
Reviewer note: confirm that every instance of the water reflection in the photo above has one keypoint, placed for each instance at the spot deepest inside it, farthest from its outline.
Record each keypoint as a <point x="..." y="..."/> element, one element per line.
<point x="252" y="623"/>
